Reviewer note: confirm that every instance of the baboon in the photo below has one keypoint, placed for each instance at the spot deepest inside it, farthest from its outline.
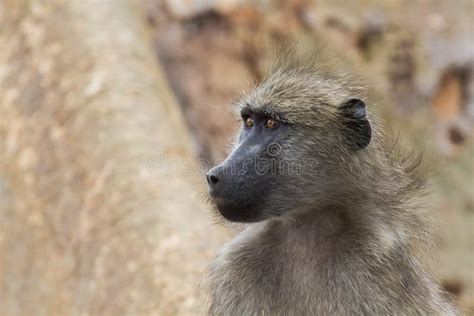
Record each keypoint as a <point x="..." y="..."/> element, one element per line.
<point x="329" y="205"/>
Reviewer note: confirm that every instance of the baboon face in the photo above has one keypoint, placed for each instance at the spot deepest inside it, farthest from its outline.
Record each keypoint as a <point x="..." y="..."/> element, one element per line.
<point x="281" y="162"/>
<point x="241" y="185"/>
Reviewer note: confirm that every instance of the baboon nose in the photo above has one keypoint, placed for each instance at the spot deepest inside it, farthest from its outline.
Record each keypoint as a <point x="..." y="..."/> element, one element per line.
<point x="216" y="181"/>
<point x="212" y="178"/>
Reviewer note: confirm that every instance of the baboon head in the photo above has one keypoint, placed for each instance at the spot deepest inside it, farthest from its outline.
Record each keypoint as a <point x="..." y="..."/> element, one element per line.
<point x="299" y="133"/>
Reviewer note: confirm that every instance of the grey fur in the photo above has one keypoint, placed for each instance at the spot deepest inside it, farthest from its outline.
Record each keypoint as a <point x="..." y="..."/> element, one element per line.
<point x="352" y="242"/>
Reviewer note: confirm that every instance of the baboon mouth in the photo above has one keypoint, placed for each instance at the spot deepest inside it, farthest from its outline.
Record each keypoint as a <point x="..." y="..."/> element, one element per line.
<point x="218" y="200"/>
<point x="237" y="212"/>
<point x="216" y="197"/>
<point x="221" y="202"/>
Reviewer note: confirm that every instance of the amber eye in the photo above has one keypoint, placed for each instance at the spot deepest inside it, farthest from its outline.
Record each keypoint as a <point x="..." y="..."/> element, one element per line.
<point x="248" y="121"/>
<point x="270" y="123"/>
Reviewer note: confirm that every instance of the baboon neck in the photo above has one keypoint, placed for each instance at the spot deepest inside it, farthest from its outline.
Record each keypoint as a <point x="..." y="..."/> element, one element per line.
<point x="330" y="221"/>
<point x="364" y="224"/>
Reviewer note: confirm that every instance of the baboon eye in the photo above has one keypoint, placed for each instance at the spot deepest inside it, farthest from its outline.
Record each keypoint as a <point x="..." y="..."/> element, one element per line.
<point x="270" y="123"/>
<point x="248" y="121"/>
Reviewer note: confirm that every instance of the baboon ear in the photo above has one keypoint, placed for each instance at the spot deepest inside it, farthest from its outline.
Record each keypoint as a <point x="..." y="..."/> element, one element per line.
<point x="356" y="126"/>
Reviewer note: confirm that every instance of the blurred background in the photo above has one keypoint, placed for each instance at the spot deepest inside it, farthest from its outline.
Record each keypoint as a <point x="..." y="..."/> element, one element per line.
<point x="111" y="110"/>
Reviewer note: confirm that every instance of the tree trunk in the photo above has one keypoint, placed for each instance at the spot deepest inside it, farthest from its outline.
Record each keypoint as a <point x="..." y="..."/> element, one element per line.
<point x="99" y="213"/>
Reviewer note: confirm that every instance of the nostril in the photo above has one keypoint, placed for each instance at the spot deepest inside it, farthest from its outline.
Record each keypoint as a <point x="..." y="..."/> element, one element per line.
<point x="212" y="179"/>
<point x="214" y="176"/>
